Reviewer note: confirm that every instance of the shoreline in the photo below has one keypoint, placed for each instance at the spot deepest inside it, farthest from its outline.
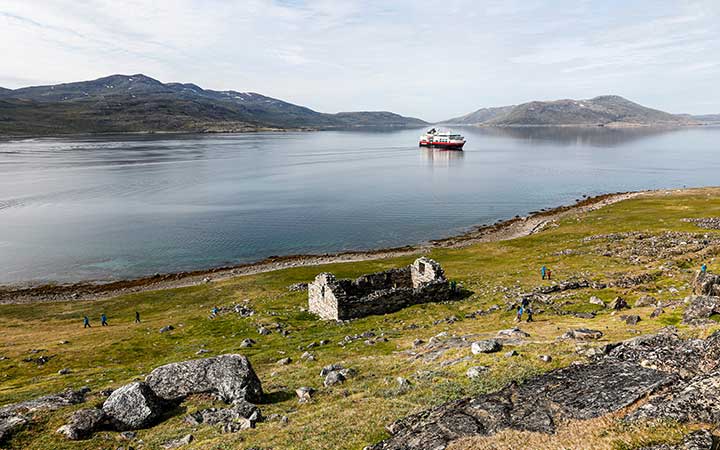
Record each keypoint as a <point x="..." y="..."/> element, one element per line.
<point x="513" y="228"/>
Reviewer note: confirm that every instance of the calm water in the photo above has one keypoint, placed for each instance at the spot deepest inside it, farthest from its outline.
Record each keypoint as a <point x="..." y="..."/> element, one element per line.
<point x="114" y="207"/>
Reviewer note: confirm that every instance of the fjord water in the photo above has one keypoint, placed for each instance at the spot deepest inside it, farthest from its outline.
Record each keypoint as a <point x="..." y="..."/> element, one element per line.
<point x="100" y="208"/>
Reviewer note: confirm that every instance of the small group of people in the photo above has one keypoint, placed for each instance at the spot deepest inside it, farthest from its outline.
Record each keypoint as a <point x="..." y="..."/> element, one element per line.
<point x="546" y="273"/>
<point x="524" y="307"/>
<point x="103" y="320"/>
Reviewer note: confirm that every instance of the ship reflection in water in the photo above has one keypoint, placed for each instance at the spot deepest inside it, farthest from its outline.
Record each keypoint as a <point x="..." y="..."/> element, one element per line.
<point x="436" y="157"/>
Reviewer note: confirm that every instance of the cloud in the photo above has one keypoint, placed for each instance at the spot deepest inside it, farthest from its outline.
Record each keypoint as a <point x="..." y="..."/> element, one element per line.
<point x="419" y="57"/>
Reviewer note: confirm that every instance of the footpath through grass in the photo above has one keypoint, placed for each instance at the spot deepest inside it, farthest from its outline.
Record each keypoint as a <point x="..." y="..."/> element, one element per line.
<point x="354" y="414"/>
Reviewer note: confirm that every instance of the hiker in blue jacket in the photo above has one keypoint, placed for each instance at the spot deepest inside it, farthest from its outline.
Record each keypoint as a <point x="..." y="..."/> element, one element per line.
<point x="103" y="320"/>
<point x="543" y="271"/>
<point x="86" y="322"/>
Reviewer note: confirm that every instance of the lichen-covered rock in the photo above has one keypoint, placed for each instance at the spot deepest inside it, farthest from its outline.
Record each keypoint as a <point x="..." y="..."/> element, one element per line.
<point x="582" y="334"/>
<point x="486" y="346"/>
<point x="700" y="308"/>
<point x="304" y="394"/>
<point x="240" y="416"/>
<point x="334" y="378"/>
<point x="696" y="401"/>
<point x="133" y="406"/>
<point x="576" y="392"/>
<point x="697" y="440"/>
<point x="618" y="304"/>
<point x="631" y="319"/>
<point x="645" y="300"/>
<point x="15" y="416"/>
<point x="230" y="377"/>
<point x="83" y="423"/>
<point x="513" y="333"/>
<point x="706" y="283"/>
<point x="178" y="442"/>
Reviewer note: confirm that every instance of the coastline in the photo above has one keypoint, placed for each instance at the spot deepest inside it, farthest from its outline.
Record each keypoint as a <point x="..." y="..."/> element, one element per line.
<point x="516" y="227"/>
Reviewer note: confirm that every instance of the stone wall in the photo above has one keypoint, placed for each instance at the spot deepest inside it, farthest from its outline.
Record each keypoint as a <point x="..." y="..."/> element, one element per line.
<point x="378" y="293"/>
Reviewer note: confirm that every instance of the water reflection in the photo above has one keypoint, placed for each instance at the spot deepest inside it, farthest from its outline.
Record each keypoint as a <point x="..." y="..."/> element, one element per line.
<point x="571" y="136"/>
<point x="436" y="157"/>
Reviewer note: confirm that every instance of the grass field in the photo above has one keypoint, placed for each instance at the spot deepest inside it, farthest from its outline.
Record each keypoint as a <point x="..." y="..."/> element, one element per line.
<point x="355" y="414"/>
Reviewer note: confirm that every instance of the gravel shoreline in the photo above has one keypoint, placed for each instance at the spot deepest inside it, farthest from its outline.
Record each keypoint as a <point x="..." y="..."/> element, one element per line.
<point x="500" y="231"/>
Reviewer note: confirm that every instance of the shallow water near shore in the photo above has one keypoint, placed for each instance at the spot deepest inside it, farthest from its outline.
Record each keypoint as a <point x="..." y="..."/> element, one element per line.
<point x="101" y="208"/>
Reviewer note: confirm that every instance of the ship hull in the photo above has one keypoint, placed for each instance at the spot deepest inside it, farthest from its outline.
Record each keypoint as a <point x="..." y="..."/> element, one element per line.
<point x="446" y="145"/>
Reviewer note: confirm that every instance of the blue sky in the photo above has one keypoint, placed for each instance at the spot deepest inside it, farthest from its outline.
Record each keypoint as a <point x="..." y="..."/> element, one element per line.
<point x="424" y="58"/>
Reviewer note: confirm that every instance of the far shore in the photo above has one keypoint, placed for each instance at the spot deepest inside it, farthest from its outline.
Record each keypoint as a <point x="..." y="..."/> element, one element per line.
<point x="503" y="230"/>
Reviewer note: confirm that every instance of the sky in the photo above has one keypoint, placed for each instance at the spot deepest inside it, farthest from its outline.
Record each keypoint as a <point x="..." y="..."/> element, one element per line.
<point x="427" y="59"/>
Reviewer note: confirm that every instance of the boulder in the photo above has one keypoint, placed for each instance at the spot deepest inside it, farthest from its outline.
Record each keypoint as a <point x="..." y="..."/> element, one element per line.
<point x="476" y="371"/>
<point x="513" y="333"/>
<point x="645" y="300"/>
<point x="486" y="346"/>
<point x="545" y="358"/>
<point x="83" y="423"/>
<point x="240" y="416"/>
<point x="133" y="406"/>
<point x="632" y="319"/>
<point x="178" y="442"/>
<point x="166" y="329"/>
<point x="304" y="394"/>
<point x="656" y="312"/>
<point x="16" y="416"/>
<point x="334" y="378"/>
<point x="700" y="308"/>
<point x="330" y="368"/>
<point x="246" y="343"/>
<point x="230" y="377"/>
<point x="582" y="334"/>
<point x="618" y="304"/>
<point x="284" y="361"/>
<point x="706" y="283"/>
<point x="596" y="301"/>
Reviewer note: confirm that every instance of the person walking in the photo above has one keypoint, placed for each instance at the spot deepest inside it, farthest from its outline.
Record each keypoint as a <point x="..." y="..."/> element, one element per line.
<point x="529" y="314"/>
<point x="103" y="320"/>
<point x="86" y="322"/>
<point x="543" y="272"/>
<point x="703" y="268"/>
<point x="518" y="318"/>
<point x="549" y="274"/>
<point x="137" y="317"/>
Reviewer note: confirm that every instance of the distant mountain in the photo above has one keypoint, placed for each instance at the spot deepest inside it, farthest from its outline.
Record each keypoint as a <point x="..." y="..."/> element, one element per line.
<point x="607" y="110"/>
<point x="137" y="103"/>
<point x="481" y="115"/>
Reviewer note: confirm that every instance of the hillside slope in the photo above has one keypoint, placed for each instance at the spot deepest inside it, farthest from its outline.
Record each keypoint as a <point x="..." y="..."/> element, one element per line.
<point x="606" y="110"/>
<point x="122" y="103"/>
<point x="643" y="250"/>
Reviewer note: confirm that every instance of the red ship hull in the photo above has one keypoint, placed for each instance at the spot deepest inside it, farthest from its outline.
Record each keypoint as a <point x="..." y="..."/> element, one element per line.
<point x="447" y="145"/>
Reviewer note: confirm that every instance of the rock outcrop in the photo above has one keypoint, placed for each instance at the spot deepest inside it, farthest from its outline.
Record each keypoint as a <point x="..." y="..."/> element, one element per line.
<point x="230" y="377"/>
<point x="700" y="308"/>
<point x="706" y="283"/>
<point x="18" y="415"/>
<point x="133" y="406"/>
<point x="681" y="377"/>
<point x="83" y="423"/>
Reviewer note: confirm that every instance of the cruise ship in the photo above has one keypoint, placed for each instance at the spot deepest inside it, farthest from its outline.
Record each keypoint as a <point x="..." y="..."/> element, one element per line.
<point x="442" y="139"/>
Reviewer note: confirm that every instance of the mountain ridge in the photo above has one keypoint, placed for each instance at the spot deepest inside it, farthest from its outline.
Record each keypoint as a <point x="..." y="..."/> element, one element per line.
<point x="604" y="110"/>
<point x="138" y="103"/>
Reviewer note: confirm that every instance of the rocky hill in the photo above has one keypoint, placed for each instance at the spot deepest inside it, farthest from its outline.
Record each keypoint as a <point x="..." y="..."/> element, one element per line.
<point x="137" y="103"/>
<point x="606" y="110"/>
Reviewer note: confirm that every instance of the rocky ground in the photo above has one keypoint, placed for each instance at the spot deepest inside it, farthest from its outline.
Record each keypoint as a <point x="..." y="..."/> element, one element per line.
<point x="622" y="353"/>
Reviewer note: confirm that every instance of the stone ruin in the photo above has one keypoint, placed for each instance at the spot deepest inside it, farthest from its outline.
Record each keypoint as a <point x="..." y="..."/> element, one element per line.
<point x="378" y="293"/>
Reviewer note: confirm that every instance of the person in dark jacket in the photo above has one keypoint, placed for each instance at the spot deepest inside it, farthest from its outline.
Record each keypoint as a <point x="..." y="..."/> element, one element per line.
<point x="137" y="317"/>
<point x="103" y="320"/>
<point x="86" y="322"/>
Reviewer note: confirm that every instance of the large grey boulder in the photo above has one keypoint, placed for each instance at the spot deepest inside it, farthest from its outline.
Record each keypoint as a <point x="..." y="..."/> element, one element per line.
<point x="83" y="423"/>
<point x="133" y="406"/>
<point x="230" y="377"/>
<point x="486" y="346"/>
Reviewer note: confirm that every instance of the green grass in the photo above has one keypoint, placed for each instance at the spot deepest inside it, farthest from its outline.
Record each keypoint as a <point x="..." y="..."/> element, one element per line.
<point x="353" y="415"/>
